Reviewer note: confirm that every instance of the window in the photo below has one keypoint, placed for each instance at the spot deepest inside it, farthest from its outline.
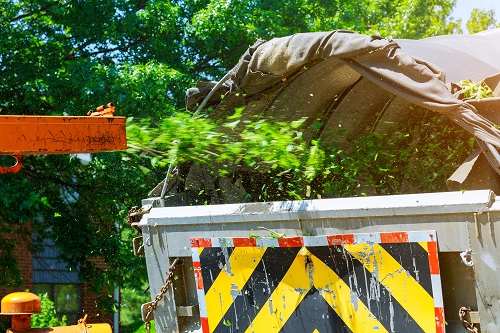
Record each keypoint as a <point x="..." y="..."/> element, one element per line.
<point x="51" y="276"/>
<point x="66" y="297"/>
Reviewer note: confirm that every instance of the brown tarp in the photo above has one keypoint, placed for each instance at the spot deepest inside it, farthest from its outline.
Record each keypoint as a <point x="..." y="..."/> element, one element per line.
<point x="382" y="61"/>
<point x="351" y="80"/>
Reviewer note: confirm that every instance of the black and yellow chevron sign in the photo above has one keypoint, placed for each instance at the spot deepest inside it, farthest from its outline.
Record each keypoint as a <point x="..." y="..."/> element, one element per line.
<point x="359" y="283"/>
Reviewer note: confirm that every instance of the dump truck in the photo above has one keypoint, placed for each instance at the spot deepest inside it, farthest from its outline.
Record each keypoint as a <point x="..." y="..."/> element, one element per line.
<point x="416" y="262"/>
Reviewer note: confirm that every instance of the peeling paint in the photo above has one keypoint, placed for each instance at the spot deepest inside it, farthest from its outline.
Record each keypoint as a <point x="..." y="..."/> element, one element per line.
<point x="235" y="292"/>
<point x="225" y="253"/>
<point x="269" y="287"/>
<point x="271" y="306"/>
<point x="391" y="313"/>
<point x="415" y="270"/>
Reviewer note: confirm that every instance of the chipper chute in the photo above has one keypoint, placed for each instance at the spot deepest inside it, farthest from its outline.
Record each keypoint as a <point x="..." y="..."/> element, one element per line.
<point x="365" y="84"/>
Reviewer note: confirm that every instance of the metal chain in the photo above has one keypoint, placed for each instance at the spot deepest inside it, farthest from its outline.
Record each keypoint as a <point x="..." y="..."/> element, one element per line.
<point x="465" y="323"/>
<point x="163" y="290"/>
<point x="134" y="215"/>
<point x="132" y="212"/>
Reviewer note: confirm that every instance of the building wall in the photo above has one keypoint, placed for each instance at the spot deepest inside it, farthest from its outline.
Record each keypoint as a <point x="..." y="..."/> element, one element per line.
<point x="24" y="259"/>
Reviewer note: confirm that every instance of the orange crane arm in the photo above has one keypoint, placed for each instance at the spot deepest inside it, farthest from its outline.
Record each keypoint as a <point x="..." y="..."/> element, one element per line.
<point x="29" y="135"/>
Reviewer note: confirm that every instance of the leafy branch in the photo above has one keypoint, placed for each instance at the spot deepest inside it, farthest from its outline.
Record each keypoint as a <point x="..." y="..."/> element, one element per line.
<point x="34" y="12"/>
<point x="477" y="90"/>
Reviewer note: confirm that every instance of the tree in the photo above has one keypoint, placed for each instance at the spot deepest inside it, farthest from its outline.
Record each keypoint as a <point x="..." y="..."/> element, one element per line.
<point x="66" y="57"/>
<point x="480" y="20"/>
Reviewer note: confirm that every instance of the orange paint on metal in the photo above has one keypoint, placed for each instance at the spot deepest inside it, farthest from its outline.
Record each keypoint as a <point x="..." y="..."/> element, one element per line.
<point x="440" y="323"/>
<point x="340" y="239"/>
<point x="13" y="168"/>
<point x="21" y="322"/>
<point x="199" y="278"/>
<point x="80" y="328"/>
<point x="102" y="111"/>
<point x="204" y="324"/>
<point x="20" y="303"/>
<point x="28" y="135"/>
<point x="394" y="237"/>
<point x="433" y="258"/>
<point x="291" y="241"/>
<point x="201" y="242"/>
<point x="238" y="241"/>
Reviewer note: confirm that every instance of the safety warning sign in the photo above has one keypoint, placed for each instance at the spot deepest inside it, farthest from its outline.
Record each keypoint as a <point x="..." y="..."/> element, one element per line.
<point x="366" y="282"/>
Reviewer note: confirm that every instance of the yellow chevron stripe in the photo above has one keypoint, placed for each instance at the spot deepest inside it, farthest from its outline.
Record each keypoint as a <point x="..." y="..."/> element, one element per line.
<point x="284" y="299"/>
<point x="227" y="285"/>
<point x="337" y="293"/>
<point x="403" y="287"/>
<point x="424" y="245"/>
<point x="294" y="287"/>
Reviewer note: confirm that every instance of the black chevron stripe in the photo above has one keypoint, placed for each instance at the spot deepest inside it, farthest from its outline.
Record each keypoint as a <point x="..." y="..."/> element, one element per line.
<point x="276" y="262"/>
<point x="259" y="287"/>
<point x="366" y="287"/>
<point x="414" y="259"/>
<point x="314" y="313"/>
<point x="212" y="260"/>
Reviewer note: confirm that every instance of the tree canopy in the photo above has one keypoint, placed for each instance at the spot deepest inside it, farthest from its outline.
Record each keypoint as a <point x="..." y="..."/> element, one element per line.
<point x="480" y="20"/>
<point x="64" y="57"/>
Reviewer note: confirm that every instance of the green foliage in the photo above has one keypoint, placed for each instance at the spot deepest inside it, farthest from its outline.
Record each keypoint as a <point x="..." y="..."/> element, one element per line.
<point x="132" y="299"/>
<point x="5" y="323"/>
<point x="287" y="167"/>
<point x="270" y="147"/>
<point x="140" y="328"/>
<point x="475" y="90"/>
<point x="396" y="18"/>
<point x="389" y="164"/>
<point x="130" y="309"/>
<point x="480" y="20"/>
<point x="185" y="138"/>
<point x="48" y="316"/>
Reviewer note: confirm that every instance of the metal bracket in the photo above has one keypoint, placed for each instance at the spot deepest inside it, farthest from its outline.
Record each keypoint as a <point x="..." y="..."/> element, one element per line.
<point x="138" y="246"/>
<point x="477" y="225"/>
<point x="14" y="168"/>
<point x="182" y="311"/>
<point x="473" y="317"/>
<point x="145" y="314"/>
<point x="188" y="311"/>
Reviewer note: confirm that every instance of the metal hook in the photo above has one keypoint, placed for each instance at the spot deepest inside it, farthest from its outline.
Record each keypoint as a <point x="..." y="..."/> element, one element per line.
<point x="14" y="168"/>
<point x="466" y="257"/>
